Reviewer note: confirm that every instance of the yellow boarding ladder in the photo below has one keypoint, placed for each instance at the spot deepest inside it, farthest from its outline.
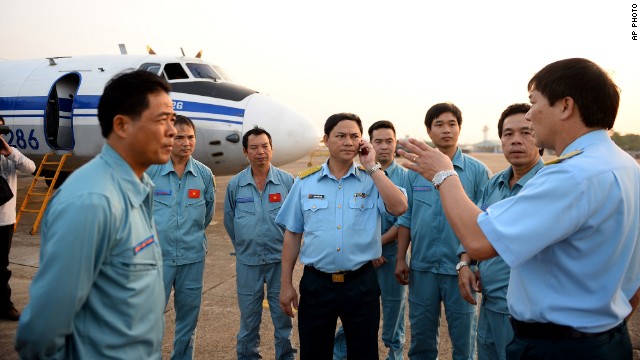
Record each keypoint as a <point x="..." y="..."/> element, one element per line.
<point x="45" y="195"/>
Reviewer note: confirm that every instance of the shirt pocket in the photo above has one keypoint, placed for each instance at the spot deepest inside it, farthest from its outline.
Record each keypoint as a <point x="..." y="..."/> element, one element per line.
<point x="196" y="210"/>
<point x="315" y="214"/>
<point x="245" y="214"/>
<point x="423" y="201"/>
<point x="362" y="213"/>
<point x="138" y="268"/>
<point x="273" y="212"/>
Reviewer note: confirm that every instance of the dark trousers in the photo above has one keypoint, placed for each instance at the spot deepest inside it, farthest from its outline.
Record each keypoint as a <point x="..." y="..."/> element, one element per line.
<point x="613" y="345"/>
<point x="356" y="301"/>
<point x="6" y="235"/>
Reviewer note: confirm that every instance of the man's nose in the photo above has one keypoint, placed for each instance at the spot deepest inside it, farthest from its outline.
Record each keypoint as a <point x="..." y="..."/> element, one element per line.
<point x="171" y="130"/>
<point x="517" y="139"/>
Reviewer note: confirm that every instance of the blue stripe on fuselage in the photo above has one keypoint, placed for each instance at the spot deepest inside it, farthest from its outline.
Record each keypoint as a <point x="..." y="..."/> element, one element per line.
<point x="90" y="102"/>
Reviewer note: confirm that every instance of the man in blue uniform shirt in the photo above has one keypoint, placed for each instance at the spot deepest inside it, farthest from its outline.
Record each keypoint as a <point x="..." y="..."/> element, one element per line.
<point x="338" y="208"/>
<point x="254" y="197"/>
<point x="575" y="265"/>
<point x="98" y="293"/>
<point x="432" y="277"/>
<point x="519" y="148"/>
<point x="393" y="294"/>
<point x="183" y="207"/>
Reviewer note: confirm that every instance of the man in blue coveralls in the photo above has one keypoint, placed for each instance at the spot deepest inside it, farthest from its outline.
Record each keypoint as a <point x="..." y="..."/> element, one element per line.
<point x="98" y="293"/>
<point x="382" y="135"/>
<point x="575" y="265"/>
<point x="338" y="208"/>
<point x="184" y="202"/>
<point x="432" y="277"/>
<point x="254" y="197"/>
<point x="519" y="148"/>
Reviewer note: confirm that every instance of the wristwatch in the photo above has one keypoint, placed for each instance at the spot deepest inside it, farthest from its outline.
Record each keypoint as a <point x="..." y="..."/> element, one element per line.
<point x="460" y="265"/>
<point x="375" y="168"/>
<point x="441" y="176"/>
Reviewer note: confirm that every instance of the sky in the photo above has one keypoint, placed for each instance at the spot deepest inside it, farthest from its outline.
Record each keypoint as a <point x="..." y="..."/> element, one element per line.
<point x="388" y="60"/>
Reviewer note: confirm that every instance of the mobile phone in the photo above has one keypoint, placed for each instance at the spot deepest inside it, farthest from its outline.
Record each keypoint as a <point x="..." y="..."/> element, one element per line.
<point x="364" y="151"/>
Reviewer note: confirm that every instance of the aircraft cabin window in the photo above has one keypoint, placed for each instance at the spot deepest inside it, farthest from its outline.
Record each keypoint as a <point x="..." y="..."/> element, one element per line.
<point x="175" y="71"/>
<point x="151" y="67"/>
<point x="203" y="71"/>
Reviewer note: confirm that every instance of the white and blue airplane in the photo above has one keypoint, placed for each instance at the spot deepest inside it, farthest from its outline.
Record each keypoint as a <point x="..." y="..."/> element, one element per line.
<point x="50" y="105"/>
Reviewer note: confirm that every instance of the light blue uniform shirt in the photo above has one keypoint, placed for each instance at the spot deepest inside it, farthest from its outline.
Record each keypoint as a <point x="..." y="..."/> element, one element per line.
<point x="249" y="216"/>
<point x="98" y="293"/>
<point x="495" y="272"/>
<point x="183" y="208"/>
<point x="434" y="245"/>
<point x="398" y="175"/>
<point x="340" y="219"/>
<point x="572" y="239"/>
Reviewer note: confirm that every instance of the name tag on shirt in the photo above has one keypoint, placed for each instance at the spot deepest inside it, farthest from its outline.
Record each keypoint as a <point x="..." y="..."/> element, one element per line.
<point x="422" y="188"/>
<point x="161" y="192"/>
<point x="316" y="196"/>
<point x="194" y="193"/>
<point x="143" y="244"/>
<point x="244" y="200"/>
<point x="275" y="197"/>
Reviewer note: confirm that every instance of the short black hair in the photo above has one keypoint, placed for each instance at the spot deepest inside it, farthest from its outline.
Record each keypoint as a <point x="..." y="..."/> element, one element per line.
<point x="334" y="119"/>
<point x="520" y="108"/>
<point x="2" y="119"/>
<point x="183" y="120"/>
<point x="382" y="124"/>
<point x="255" y="131"/>
<point x="128" y="94"/>
<point x="439" y="109"/>
<point x="592" y="90"/>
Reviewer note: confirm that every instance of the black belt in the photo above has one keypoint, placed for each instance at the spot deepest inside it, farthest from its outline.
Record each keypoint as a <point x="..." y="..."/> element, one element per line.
<point x="342" y="276"/>
<point x="554" y="331"/>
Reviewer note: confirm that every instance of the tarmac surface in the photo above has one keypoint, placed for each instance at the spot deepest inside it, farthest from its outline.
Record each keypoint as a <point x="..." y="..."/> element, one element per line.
<point x="219" y="316"/>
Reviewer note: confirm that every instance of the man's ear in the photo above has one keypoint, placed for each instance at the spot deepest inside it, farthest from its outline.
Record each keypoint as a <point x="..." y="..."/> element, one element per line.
<point x="568" y="107"/>
<point x="121" y="124"/>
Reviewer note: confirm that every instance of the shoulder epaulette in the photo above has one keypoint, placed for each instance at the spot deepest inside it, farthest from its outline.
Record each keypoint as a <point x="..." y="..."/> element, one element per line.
<point x="309" y="171"/>
<point x="361" y="167"/>
<point x="563" y="157"/>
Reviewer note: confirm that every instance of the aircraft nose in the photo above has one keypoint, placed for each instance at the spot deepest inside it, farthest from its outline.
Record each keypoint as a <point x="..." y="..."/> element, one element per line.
<point x="293" y="135"/>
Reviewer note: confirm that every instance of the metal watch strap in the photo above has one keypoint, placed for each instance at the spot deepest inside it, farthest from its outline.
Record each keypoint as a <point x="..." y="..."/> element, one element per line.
<point x="441" y="176"/>
<point x="375" y="168"/>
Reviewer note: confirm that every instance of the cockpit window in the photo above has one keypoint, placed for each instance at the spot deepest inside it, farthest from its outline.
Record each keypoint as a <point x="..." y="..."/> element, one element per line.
<point x="175" y="71"/>
<point x="151" y="67"/>
<point x="203" y="71"/>
<point x="223" y="74"/>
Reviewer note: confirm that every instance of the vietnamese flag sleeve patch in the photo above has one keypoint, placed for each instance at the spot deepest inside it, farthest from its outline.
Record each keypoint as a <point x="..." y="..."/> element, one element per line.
<point x="275" y="197"/>
<point x="194" y="193"/>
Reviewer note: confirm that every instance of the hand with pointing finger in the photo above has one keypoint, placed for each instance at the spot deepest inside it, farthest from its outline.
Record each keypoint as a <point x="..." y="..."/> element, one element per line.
<point x="424" y="159"/>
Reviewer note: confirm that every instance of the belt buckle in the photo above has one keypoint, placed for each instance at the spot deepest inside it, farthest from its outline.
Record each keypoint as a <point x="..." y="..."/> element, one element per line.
<point x="337" y="278"/>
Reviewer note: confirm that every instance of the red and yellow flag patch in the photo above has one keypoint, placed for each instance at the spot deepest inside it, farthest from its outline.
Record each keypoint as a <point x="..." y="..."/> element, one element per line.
<point x="275" y="197"/>
<point x="194" y="193"/>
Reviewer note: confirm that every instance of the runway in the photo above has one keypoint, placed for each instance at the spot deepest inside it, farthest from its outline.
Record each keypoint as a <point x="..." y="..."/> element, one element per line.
<point x="219" y="316"/>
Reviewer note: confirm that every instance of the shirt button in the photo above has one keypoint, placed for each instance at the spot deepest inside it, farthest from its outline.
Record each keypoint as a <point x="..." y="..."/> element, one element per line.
<point x="339" y="187"/>
<point x="339" y="227"/>
<point x="313" y="207"/>
<point x="338" y="249"/>
<point x="339" y="206"/>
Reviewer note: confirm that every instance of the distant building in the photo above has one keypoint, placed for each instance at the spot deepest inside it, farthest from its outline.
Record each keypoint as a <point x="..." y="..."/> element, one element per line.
<point x="488" y="146"/>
